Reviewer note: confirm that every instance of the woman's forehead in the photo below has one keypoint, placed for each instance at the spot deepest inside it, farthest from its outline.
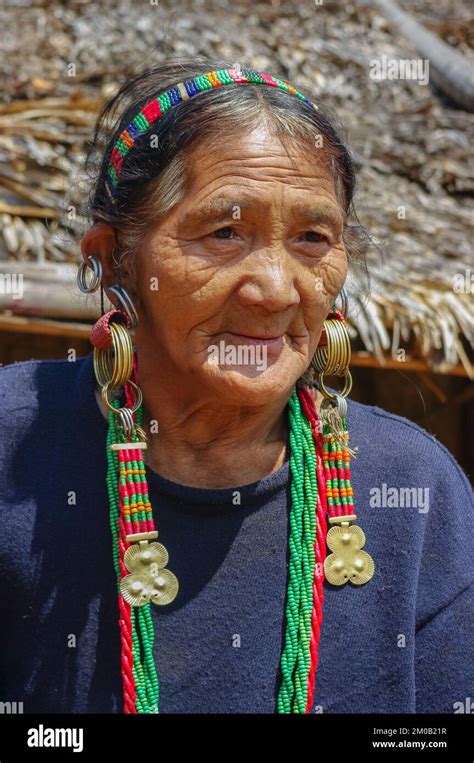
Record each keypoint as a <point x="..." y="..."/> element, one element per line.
<point x="261" y="170"/>
<point x="316" y="208"/>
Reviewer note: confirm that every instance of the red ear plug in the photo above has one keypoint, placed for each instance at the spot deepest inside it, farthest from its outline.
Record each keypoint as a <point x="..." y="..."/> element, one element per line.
<point x="333" y="315"/>
<point x="100" y="335"/>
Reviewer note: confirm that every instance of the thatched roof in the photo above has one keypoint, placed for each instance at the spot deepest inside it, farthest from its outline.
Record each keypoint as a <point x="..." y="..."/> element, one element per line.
<point x="411" y="145"/>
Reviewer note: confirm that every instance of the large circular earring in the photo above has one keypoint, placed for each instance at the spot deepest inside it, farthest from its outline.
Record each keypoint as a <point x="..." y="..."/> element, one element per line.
<point x="114" y="367"/>
<point x="81" y="280"/>
<point x="333" y="353"/>
<point x="126" y="303"/>
<point x="334" y="356"/>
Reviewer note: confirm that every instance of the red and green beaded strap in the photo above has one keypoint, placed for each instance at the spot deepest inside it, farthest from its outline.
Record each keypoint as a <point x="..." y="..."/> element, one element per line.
<point x="131" y="512"/>
<point x="183" y="91"/>
<point x="333" y="467"/>
<point x="338" y="474"/>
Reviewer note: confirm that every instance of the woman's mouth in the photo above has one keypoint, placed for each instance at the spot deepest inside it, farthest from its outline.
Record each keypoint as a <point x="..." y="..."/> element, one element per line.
<point x="270" y="342"/>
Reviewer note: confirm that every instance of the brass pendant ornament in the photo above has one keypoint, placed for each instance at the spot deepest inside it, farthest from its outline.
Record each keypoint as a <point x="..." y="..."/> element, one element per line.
<point x="347" y="563"/>
<point x="149" y="580"/>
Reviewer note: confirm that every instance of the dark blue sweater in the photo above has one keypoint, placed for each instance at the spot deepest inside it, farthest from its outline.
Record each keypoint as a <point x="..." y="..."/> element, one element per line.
<point x="401" y="643"/>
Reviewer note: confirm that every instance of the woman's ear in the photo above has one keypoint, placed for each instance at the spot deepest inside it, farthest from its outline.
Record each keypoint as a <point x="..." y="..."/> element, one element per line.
<point x="99" y="241"/>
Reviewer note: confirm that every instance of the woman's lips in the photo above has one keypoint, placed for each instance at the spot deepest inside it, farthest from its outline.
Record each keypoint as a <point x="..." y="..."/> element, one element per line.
<point x="271" y="342"/>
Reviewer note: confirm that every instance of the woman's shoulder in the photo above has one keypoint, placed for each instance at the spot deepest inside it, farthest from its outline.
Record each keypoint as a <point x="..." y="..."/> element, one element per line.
<point x="398" y="439"/>
<point x="24" y="370"/>
<point x="418" y="495"/>
<point x="27" y="384"/>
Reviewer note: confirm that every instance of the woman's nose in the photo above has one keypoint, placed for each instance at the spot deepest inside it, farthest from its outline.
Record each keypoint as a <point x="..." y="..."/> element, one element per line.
<point x="269" y="283"/>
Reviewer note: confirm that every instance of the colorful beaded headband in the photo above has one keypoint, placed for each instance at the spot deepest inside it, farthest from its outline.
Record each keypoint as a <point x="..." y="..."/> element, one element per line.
<point x="176" y="94"/>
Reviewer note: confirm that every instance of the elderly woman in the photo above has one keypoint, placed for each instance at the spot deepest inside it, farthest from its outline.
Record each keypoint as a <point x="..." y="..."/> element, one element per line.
<point x="288" y="577"/>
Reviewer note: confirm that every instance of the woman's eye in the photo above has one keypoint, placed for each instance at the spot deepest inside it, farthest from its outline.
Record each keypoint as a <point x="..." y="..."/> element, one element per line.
<point x="315" y="237"/>
<point x="222" y="232"/>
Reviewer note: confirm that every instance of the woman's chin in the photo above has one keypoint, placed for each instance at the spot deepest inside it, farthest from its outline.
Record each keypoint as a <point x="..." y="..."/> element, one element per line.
<point x="251" y="383"/>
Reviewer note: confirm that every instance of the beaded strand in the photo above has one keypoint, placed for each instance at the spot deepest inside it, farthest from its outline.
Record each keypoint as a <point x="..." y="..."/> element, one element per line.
<point x="131" y="511"/>
<point x="295" y="660"/>
<point x="309" y="408"/>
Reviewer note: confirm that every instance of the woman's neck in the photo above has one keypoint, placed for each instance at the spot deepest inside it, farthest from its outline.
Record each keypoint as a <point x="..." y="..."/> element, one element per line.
<point x="211" y="446"/>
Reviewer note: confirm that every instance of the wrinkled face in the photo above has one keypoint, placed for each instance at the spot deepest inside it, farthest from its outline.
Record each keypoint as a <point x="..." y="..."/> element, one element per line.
<point x="236" y="282"/>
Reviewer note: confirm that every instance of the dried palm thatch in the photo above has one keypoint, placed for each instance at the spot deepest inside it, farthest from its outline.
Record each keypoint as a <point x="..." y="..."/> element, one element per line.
<point x="410" y="142"/>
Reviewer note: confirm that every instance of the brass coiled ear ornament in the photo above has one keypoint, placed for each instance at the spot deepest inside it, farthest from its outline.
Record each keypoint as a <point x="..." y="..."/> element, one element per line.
<point x="113" y="346"/>
<point x="113" y="367"/>
<point x="333" y="356"/>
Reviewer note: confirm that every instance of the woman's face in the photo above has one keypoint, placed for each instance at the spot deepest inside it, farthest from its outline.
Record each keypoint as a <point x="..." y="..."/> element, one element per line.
<point x="236" y="282"/>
